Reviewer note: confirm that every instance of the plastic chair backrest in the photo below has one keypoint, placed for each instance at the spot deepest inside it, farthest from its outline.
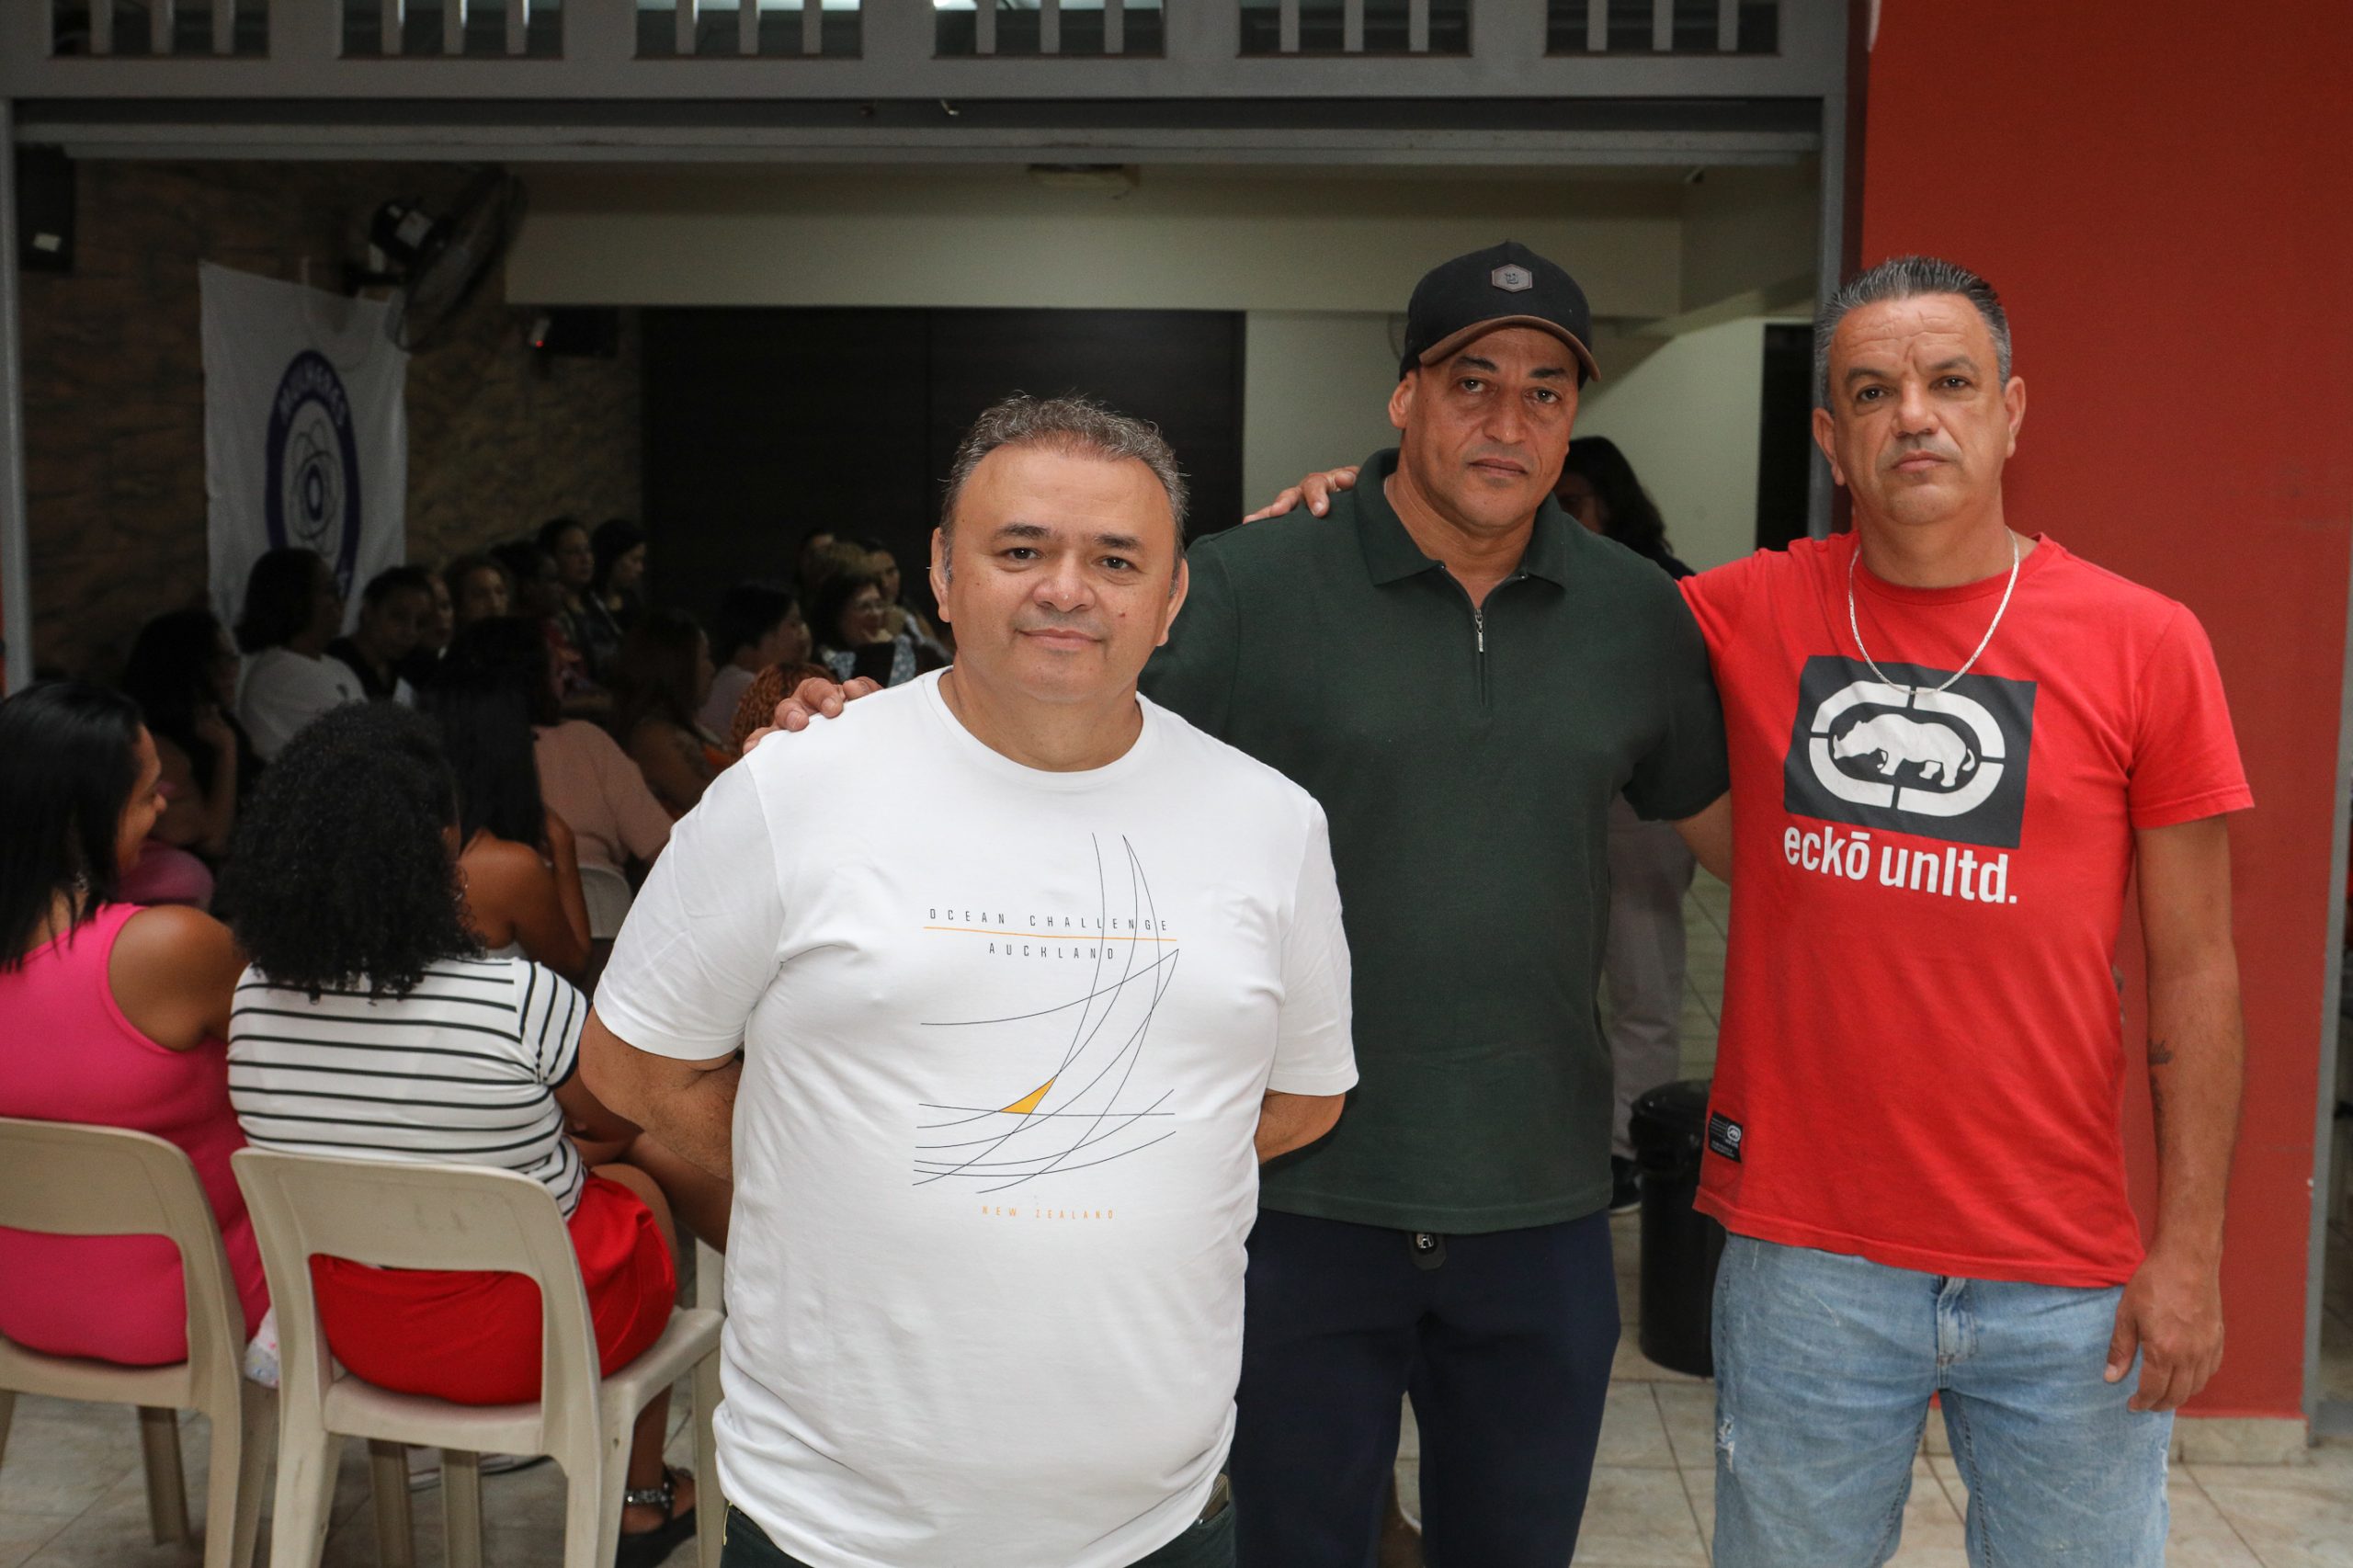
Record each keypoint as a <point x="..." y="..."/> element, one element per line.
<point x="607" y="895"/>
<point x="399" y="1215"/>
<point x="73" y="1179"/>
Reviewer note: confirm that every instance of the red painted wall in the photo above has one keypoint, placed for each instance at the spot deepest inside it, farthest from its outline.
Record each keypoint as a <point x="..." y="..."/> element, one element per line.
<point x="2162" y="192"/>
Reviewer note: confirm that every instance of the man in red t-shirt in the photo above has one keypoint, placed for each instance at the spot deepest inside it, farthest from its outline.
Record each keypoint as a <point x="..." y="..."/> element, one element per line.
<point x="1952" y="746"/>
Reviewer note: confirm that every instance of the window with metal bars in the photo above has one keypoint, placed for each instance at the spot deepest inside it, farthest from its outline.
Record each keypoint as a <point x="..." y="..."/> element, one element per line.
<point x="1662" y="26"/>
<point x="1379" y="27"/>
<point x="1026" y="27"/>
<point x="159" y="27"/>
<point x="719" y="29"/>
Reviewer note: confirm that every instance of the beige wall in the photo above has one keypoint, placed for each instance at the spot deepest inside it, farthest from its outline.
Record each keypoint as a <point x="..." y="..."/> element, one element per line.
<point x="995" y="237"/>
<point x="1315" y="393"/>
<point x="1685" y="412"/>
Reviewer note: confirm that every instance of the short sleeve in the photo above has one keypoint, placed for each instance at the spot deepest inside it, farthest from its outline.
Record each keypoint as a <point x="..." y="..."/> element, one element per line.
<point x="1688" y="770"/>
<point x="550" y="1016"/>
<point x="699" y="946"/>
<point x="1193" y="674"/>
<point x="1313" y="1051"/>
<point x="2184" y="755"/>
<point x="1716" y="598"/>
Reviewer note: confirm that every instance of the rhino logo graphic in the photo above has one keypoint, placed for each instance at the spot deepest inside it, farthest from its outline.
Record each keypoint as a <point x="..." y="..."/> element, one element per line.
<point x="1894" y="753"/>
<point x="1938" y="751"/>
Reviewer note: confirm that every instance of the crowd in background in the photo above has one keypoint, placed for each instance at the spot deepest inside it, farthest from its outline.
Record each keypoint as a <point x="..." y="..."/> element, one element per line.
<point x="283" y="874"/>
<point x="583" y="714"/>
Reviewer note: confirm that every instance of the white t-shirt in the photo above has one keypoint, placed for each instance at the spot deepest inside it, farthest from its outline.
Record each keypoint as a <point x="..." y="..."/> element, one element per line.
<point x="281" y="690"/>
<point x="461" y="1071"/>
<point x="1007" y="1035"/>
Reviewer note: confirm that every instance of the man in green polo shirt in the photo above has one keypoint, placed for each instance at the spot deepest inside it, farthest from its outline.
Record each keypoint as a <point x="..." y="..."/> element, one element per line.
<point x="1465" y="679"/>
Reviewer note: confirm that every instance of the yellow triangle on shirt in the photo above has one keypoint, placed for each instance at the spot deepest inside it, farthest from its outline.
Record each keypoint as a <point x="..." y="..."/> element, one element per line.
<point x="1029" y="1102"/>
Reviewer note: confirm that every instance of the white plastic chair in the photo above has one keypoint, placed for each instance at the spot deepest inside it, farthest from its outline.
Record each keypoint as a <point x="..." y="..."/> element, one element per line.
<point x="418" y="1216"/>
<point x="609" y="896"/>
<point x="108" y="1181"/>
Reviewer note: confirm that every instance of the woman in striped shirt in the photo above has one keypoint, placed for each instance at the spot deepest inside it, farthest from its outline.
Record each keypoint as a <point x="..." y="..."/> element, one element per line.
<point x="370" y="1024"/>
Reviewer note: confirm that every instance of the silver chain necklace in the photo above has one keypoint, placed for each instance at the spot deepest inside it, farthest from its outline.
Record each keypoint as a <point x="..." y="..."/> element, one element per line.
<point x="1853" y="625"/>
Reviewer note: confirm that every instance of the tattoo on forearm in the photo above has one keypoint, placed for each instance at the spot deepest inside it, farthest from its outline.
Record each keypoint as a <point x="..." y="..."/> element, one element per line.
<point x="2160" y="1053"/>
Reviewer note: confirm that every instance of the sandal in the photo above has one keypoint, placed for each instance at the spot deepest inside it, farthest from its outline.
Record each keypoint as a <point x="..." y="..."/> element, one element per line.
<point x="648" y="1548"/>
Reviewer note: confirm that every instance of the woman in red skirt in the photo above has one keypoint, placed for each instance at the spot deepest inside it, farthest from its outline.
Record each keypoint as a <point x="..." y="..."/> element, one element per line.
<point x="370" y="1026"/>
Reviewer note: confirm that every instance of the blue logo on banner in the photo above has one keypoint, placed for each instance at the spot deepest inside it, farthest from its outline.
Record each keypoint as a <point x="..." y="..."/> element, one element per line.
<point x="311" y="473"/>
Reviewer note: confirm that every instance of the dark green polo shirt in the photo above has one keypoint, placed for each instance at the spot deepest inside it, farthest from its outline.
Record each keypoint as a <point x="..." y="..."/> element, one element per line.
<point x="1467" y="761"/>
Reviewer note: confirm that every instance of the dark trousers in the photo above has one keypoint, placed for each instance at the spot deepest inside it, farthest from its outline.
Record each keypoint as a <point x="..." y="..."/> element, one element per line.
<point x="1209" y="1544"/>
<point x="1505" y="1346"/>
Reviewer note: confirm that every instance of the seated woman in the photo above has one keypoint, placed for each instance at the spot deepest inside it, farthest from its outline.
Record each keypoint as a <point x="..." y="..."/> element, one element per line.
<point x="584" y="776"/>
<point x="851" y="620"/>
<point x="109" y="1014"/>
<point x="755" y="710"/>
<point x="620" y="587"/>
<point x="517" y="860"/>
<point x="183" y="675"/>
<point x="394" y="609"/>
<point x="898" y="615"/>
<point x="292" y="610"/>
<point x="370" y="1026"/>
<point x="758" y="625"/>
<point x="478" y="590"/>
<point x="661" y="681"/>
<point x="539" y="595"/>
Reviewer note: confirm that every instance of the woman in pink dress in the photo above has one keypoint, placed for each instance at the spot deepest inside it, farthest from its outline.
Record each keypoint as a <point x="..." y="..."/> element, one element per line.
<point x="109" y="1014"/>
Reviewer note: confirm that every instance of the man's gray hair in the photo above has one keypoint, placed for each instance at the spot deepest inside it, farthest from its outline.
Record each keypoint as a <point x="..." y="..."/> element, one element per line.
<point x="1905" y="278"/>
<point x="1073" y="424"/>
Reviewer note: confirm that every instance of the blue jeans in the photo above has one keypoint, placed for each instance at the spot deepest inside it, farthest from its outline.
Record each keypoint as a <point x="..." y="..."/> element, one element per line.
<point x="1824" y="1364"/>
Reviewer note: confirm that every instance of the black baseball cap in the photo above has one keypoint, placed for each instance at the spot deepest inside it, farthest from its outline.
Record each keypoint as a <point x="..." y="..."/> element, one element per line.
<point x="1504" y="285"/>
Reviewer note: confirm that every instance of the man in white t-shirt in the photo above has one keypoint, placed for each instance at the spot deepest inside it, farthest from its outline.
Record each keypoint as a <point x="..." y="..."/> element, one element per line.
<point x="1029" y="975"/>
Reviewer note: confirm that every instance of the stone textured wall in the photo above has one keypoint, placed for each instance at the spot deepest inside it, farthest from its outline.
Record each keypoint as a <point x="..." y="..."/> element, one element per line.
<point x="499" y="438"/>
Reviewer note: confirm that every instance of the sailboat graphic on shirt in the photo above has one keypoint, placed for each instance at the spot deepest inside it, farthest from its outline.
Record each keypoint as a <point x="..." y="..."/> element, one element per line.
<point x="1099" y="1101"/>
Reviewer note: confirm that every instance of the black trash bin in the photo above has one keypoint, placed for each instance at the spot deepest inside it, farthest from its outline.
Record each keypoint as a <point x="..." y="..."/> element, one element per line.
<point x="1680" y="1246"/>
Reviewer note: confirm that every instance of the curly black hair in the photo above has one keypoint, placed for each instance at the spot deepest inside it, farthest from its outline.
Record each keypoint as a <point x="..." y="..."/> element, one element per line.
<point x="341" y="878"/>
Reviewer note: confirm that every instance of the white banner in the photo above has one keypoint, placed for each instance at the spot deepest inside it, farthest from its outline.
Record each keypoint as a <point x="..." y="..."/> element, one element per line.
<point x="305" y="433"/>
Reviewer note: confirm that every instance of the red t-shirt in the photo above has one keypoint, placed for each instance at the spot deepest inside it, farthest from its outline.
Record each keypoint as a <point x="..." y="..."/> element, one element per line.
<point x="1922" y="1056"/>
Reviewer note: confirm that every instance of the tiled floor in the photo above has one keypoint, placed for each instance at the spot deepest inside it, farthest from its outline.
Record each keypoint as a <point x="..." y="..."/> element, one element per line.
<point x="71" y="1494"/>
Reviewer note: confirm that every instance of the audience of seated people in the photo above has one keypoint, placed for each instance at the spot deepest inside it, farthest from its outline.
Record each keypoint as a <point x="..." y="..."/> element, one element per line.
<point x="758" y="625"/>
<point x="371" y="1025"/>
<point x="375" y="862"/>
<point x="293" y="609"/>
<point x="393" y="610"/>
<point x="519" y="865"/>
<point x="111" y="1015"/>
<point x="660" y="683"/>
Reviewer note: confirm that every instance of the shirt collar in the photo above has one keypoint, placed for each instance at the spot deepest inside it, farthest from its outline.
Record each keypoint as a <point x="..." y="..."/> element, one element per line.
<point x="1391" y="556"/>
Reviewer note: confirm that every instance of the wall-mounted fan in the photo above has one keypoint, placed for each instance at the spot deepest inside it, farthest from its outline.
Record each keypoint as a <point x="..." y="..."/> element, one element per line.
<point x="438" y="261"/>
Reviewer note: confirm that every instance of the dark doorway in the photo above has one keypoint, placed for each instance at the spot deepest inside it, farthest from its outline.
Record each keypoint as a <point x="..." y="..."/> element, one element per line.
<point x="1785" y="437"/>
<point x="761" y="424"/>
